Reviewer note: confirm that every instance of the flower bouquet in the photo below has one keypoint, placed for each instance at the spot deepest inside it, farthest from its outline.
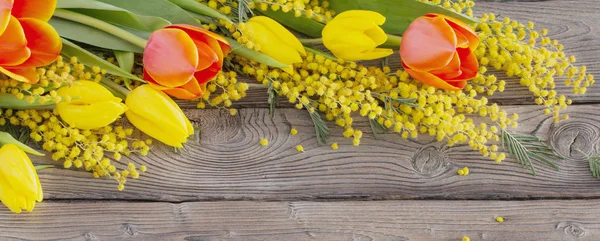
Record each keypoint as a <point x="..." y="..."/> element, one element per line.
<point x="91" y="81"/>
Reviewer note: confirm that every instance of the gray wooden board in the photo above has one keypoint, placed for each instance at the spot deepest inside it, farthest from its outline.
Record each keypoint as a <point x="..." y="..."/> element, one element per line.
<point x="230" y="164"/>
<point x="279" y="221"/>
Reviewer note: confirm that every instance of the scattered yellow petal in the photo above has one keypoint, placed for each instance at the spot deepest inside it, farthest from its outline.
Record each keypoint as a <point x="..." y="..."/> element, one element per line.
<point x="500" y="219"/>
<point x="299" y="148"/>
<point x="293" y="131"/>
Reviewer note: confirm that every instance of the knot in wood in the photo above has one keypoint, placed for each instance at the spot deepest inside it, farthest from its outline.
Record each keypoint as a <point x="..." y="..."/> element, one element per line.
<point x="571" y="228"/>
<point x="429" y="161"/>
<point x="218" y="126"/>
<point x="575" y="139"/>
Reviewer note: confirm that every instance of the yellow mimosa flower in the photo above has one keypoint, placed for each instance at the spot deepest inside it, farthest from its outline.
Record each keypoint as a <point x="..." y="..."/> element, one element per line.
<point x="92" y="106"/>
<point x="275" y="41"/>
<point x="157" y="115"/>
<point x="19" y="183"/>
<point x="355" y="35"/>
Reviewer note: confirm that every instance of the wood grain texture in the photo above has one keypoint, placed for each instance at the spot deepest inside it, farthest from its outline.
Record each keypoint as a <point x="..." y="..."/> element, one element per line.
<point x="230" y="164"/>
<point x="573" y="22"/>
<point x="277" y="221"/>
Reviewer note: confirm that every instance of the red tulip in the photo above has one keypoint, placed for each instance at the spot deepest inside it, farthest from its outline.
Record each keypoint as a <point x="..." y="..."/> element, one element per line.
<point x="438" y="50"/>
<point x="180" y="59"/>
<point x="26" y="39"/>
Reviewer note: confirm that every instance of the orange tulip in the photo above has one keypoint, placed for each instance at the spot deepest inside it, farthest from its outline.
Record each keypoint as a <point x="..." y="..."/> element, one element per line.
<point x="180" y="59"/>
<point x="26" y="39"/>
<point x="438" y="50"/>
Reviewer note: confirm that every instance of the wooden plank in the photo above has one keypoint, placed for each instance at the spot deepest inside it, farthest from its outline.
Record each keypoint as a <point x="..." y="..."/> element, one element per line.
<point x="573" y="22"/>
<point x="230" y="164"/>
<point x="375" y="220"/>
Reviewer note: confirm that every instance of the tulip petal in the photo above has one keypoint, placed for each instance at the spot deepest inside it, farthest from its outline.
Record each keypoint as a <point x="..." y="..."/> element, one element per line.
<point x="277" y="50"/>
<point x="352" y="41"/>
<point x="452" y="70"/>
<point x="369" y="55"/>
<point x="28" y="75"/>
<point x="43" y="41"/>
<point x="84" y="92"/>
<point x="465" y="30"/>
<point x="364" y="15"/>
<point x="281" y="32"/>
<point x="91" y="116"/>
<point x="428" y="44"/>
<point x="157" y="115"/>
<point x="432" y="80"/>
<point x="163" y="135"/>
<point x="170" y="57"/>
<point x="5" y="13"/>
<point x="469" y="65"/>
<point x="13" y="44"/>
<point x="190" y="91"/>
<point x="16" y="168"/>
<point x="200" y="33"/>
<point x="377" y="35"/>
<point x="206" y="55"/>
<point x="39" y="9"/>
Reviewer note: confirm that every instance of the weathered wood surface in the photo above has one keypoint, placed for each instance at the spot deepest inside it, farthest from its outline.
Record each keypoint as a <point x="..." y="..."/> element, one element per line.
<point x="209" y="182"/>
<point x="277" y="221"/>
<point x="229" y="164"/>
<point x="575" y="23"/>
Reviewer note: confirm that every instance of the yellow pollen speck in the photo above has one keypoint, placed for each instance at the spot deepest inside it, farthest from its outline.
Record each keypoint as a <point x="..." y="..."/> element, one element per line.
<point x="294" y="131"/>
<point x="500" y="219"/>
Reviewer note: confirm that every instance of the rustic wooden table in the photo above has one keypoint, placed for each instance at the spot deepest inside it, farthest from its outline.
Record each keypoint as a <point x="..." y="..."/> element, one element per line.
<point x="229" y="188"/>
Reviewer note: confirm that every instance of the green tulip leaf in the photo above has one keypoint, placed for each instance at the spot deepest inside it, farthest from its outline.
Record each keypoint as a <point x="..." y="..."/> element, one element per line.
<point x="126" y="61"/>
<point x="399" y="13"/>
<point x="241" y="50"/>
<point x="8" y="101"/>
<point x="70" y="49"/>
<point x="158" y="8"/>
<point x="199" y="8"/>
<point x="6" y="138"/>
<point x="92" y="36"/>
<point x="114" y="15"/>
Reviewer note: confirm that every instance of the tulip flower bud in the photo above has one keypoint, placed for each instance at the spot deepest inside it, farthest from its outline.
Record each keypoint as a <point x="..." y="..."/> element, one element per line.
<point x="157" y="115"/>
<point x="439" y="51"/>
<point x="180" y="59"/>
<point x="19" y="183"/>
<point x="28" y="41"/>
<point x="92" y="106"/>
<point x="355" y="35"/>
<point x="275" y="41"/>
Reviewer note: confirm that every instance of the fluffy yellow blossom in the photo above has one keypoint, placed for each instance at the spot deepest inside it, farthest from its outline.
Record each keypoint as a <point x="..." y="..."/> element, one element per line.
<point x="264" y="142"/>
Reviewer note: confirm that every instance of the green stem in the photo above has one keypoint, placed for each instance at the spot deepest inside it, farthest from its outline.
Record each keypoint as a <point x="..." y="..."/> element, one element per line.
<point x="393" y="42"/>
<point x="311" y="41"/>
<point x="99" y="24"/>
<point x="9" y="101"/>
<point x="256" y="86"/>
<point x="116" y="87"/>
<point x="326" y="55"/>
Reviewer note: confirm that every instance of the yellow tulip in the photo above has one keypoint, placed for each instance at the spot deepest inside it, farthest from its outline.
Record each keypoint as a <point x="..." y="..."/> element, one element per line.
<point x="19" y="183"/>
<point x="275" y="41"/>
<point x="355" y="35"/>
<point x="92" y="106"/>
<point x="157" y="115"/>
